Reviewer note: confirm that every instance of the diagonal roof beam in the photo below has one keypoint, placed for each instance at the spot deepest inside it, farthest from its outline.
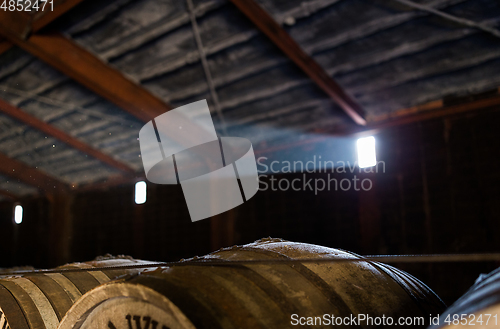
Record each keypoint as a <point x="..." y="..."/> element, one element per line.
<point x="9" y="195"/>
<point x="40" y="19"/>
<point x="287" y="44"/>
<point x="82" y="66"/>
<point x="62" y="136"/>
<point x="85" y="68"/>
<point x="31" y="176"/>
<point x="433" y="110"/>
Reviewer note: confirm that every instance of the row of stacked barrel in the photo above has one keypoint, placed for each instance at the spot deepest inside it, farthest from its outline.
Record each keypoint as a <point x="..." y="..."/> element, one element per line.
<point x="269" y="294"/>
<point x="40" y="301"/>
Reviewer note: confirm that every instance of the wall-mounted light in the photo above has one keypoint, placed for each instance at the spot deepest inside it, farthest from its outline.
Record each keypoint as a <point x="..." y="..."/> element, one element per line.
<point x="18" y="214"/>
<point x="140" y="192"/>
<point x="367" y="156"/>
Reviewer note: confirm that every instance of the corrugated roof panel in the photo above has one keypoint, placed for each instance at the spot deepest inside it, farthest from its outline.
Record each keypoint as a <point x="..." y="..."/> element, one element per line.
<point x="171" y="51"/>
<point x="129" y="20"/>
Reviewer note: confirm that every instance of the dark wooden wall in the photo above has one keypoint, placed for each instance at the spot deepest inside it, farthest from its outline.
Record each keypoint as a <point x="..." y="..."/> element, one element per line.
<point x="438" y="194"/>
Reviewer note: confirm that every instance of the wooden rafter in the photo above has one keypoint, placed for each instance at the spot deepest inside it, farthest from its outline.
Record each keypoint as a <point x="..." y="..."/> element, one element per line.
<point x="62" y="136"/>
<point x="9" y="195"/>
<point x="31" y="176"/>
<point x="39" y="20"/>
<point x="85" y="68"/>
<point x="287" y="44"/>
<point x="433" y="110"/>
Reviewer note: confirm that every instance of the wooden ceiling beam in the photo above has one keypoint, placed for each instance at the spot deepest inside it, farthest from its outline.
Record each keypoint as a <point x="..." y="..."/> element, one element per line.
<point x="31" y="176"/>
<point x="434" y="111"/>
<point x="289" y="46"/>
<point x="9" y="195"/>
<point x="62" y="136"/>
<point x="40" y="19"/>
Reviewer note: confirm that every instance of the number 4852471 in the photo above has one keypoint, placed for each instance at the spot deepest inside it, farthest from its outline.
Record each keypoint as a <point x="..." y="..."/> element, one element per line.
<point x="27" y="5"/>
<point x="472" y="319"/>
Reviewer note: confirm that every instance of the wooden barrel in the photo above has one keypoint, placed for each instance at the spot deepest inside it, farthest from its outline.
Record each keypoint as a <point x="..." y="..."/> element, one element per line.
<point x="40" y="301"/>
<point x="479" y="307"/>
<point x="255" y="295"/>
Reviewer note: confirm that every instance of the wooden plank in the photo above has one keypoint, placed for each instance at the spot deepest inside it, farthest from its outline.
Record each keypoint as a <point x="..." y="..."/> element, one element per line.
<point x="60" y="227"/>
<point x="285" y="42"/>
<point x="12" y="310"/>
<point x="42" y="303"/>
<point x="408" y="111"/>
<point x="82" y="280"/>
<point x="30" y="176"/>
<point x="68" y="286"/>
<point x="222" y="230"/>
<point x="57" y="296"/>
<point x="139" y="229"/>
<point x="41" y="19"/>
<point x="438" y="112"/>
<point x="29" y="309"/>
<point x="62" y="136"/>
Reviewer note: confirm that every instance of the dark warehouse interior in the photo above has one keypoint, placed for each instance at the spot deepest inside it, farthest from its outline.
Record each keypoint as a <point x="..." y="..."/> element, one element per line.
<point x="303" y="81"/>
